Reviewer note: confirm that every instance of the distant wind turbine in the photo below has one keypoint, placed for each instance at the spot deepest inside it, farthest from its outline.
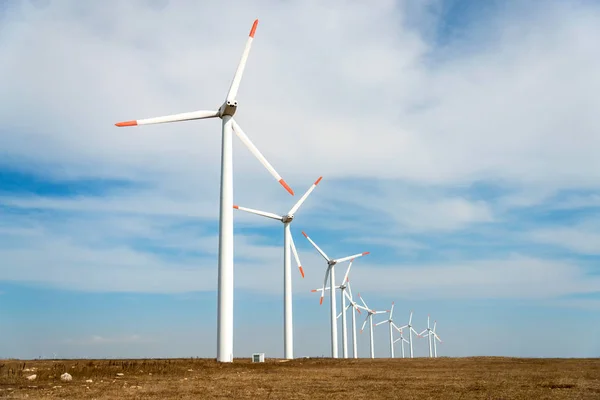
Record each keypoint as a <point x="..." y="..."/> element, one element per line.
<point x="288" y="243"/>
<point x="369" y="318"/>
<point x="330" y="275"/>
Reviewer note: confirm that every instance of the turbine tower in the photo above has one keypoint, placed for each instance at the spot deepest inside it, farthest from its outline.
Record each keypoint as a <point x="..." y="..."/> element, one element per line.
<point x="390" y="321"/>
<point x="288" y="242"/>
<point x="401" y="338"/>
<point x="355" y="307"/>
<point x="229" y="125"/>
<point x="370" y="319"/>
<point x="343" y="287"/>
<point x="330" y="274"/>
<point x="410" y="332"/>
<point x="431" y="336"/>
<point x="428" y="330"/>
<point x="435" y="337"/>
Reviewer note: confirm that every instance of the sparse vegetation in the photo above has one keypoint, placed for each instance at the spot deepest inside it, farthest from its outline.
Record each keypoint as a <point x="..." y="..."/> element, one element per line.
<point x="441" y="378"/>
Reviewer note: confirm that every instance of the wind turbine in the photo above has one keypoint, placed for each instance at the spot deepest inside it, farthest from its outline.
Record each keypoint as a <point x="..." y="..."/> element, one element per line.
<point x="343" y="287"/>
<point x="435" y="336"/>
<point x="229" y="125"/>
<point x="401" y="338"/>
<point x="354" y="307"/>
<point x="410" y="332"/>
<point x="288" y="242"/>
<point x="430" y="333"/>
<point x="390" y="321"/>
<point x="370" y="319"/>
<point x="330" y="274"/>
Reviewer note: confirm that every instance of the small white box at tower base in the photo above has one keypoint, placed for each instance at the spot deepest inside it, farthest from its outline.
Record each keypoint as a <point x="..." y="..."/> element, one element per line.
<point x="258" y="357"/>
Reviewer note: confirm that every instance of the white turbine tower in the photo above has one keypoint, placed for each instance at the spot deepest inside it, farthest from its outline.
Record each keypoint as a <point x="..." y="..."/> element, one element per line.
<point x="343" y="287"/>
<point x="355" y="307"/>
<point x="410" y="332"/>
<point x="330" y="274"/>
<point x="401" y="339"/>
<point x="390" y="321"/>
<point x="431" y="335"/>
<point x="369" y="318"/>
<point x="288" y="242"/>
<point x="435" y="336"/>
<point x="229" y="125"/>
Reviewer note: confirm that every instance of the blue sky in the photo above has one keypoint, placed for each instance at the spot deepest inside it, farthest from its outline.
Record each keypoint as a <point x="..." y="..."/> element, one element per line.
<point x="456" y="141"/>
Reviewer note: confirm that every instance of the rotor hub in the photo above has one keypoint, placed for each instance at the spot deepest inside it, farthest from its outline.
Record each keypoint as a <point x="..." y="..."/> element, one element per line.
<point x="287" y="218"/>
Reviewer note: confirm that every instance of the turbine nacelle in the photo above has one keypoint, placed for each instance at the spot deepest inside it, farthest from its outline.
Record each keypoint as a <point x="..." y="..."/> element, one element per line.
<point x="286" y="219"/>
<point x="228" y="108"/>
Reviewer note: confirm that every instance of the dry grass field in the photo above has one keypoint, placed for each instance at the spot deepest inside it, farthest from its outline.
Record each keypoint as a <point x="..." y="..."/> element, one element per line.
<point x="441" y="378"/>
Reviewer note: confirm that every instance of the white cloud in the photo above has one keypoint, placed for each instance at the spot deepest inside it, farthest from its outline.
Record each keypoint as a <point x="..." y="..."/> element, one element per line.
<point x="577" y="239"/>
<point x="347" y="103"/>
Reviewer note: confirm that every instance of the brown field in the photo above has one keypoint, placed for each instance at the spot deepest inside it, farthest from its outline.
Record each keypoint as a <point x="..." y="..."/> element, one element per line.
<point x="315" y="378"/>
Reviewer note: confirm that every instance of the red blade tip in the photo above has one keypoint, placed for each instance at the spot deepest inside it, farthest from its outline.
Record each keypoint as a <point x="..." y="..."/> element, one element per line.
<point x="318" y="180"/>
<point x="321" y="301"/>
<point x="305" y="235"/>
<point x="253" y="30"/>
<point x="301" y="270"/>
<point x="236" y="207"/>
<point x="126" y="123"/>
<point x="286" y="186"/>
<point x="365" y="253"/>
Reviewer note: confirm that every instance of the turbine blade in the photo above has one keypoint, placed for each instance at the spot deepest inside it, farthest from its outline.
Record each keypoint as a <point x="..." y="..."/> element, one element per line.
<point x="316" y="247"/>
<point x="366" y="308"/>
<point x="304" y="197"/>
<point x="237" y="78"/>
<point x="347" y="272"/>
<point x="379" y="323"/>
<point x="296" y="255"/>
<point x="325" y="284"/>
<point x="349" y="289"/>
<point x="171" y="118"/>
<point x="244" y="138"/>
<point x="341" y="260"/>
<point x="258" y="212"/>
<point x="364" y="323"/>
<point x="392" y="310"/>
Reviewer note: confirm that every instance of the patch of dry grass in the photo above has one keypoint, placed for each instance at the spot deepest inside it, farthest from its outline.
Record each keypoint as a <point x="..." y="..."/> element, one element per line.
<point x="441" y="378"/>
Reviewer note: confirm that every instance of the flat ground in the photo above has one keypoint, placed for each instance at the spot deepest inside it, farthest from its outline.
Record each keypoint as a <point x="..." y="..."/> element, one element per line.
<point x="419" y="378"/>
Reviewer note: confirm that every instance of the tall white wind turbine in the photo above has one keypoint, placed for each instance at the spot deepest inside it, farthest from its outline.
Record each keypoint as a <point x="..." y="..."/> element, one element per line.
<point x="431" y="336"/>
<point x="229" y="125"/>
<point x="390" y="321"/>
<point x="355" y="308"/>
<point x="330" y="275"/>
<point x="402" y="340"/>
<point x="410" y="332"/>
<point x="343" y="287"/>
<point x="369" y="318"/>
<point x="288" y="243"/>
<point x="435" y="337"/>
